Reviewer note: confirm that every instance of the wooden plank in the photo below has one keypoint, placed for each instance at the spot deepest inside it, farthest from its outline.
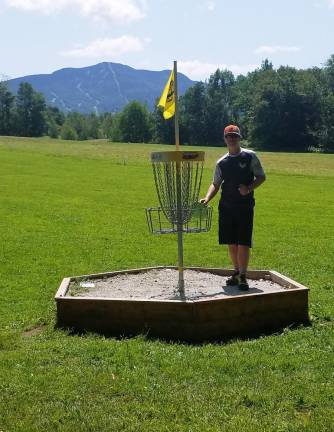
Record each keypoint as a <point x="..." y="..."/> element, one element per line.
<point x="251" y="274"/>
<point x="77" y="298"/>
<point x="119" y="272"/>
<point x="285" y="281"/>
<point x="62" y="290"/>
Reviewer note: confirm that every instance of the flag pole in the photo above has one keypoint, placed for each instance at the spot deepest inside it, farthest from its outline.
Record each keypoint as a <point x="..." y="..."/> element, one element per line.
<point x="178" y="189"/>
<point x="177" y="131"/>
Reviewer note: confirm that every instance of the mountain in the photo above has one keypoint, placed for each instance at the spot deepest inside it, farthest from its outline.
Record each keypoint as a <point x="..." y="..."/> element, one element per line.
<point x="105" y="87"/>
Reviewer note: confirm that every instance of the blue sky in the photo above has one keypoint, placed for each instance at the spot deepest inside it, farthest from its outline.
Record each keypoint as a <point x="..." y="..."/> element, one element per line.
<point x="41" y="36"/>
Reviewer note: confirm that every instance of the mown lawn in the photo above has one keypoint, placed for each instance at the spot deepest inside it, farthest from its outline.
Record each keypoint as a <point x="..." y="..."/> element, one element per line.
<point x="69" y="208"/>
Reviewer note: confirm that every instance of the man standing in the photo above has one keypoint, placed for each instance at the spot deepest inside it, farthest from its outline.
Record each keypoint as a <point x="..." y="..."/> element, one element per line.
<point x="238" y="173"/>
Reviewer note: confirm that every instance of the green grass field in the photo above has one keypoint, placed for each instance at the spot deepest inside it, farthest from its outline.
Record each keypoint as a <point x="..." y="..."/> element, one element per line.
<point x="69" y="208"/>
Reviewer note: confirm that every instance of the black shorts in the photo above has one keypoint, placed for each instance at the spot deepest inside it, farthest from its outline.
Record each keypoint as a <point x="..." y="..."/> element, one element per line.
<point x="236" y="225"/>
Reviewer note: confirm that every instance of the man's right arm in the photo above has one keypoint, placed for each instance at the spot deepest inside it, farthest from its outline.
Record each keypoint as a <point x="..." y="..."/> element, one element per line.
<point x="212" y="191"/>
<point x="214" y="187"/>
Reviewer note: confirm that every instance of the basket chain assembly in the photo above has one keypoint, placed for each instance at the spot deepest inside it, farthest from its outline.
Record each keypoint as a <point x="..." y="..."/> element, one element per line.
<point x="177" y="177"/>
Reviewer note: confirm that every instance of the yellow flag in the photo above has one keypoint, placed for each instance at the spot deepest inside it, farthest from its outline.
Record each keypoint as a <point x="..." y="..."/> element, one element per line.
<point x="167" y="100"/>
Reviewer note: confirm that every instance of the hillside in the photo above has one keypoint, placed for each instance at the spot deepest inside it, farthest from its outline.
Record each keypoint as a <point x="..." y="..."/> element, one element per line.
<point x="105" y="87"/>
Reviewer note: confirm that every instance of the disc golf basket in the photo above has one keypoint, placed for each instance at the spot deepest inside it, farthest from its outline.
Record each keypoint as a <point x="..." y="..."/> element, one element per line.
<point x="200" y="221"/>
<point x="177" y="176"/>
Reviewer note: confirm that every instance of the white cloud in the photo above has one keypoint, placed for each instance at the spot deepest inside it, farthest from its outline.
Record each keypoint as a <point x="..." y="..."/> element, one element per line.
<point x="274" y="49"/>
<point x="44" y="6"/>
<point x="4" y="77"/>
<point x="115" y="10"/>
<point x="108" y="47"/>
<point x="198" y="70"/>
<point x="319" y="4"/>
<point x="211" y="5"/>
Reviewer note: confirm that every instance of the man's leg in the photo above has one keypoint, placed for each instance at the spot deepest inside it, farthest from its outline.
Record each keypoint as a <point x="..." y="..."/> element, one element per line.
<point x="243" y="258"/>
<point x="233" y="251"/>
<point x="234" y="278"/>
<point x="245" y="230"/>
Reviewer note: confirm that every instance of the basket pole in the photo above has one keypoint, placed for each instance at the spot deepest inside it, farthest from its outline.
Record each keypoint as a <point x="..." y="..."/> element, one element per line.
<point x="178" y="189"/>
<point x="176" y="117"/>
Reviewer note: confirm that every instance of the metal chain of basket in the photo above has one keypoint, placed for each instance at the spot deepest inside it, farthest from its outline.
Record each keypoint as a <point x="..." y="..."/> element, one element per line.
<point x="169" y="170"/>
<point x="165" y="181"/>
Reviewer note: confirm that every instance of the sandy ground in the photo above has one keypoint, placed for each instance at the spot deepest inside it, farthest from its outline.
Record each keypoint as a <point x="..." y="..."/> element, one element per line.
<point x="161" y="284"/>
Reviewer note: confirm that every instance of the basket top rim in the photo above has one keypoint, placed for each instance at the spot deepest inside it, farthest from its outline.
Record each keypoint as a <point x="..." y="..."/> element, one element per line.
<point x="178" y="156"/>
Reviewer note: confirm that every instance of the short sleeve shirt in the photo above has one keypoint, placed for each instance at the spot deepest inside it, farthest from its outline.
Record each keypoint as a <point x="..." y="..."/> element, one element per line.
<point x="233" y="170"/>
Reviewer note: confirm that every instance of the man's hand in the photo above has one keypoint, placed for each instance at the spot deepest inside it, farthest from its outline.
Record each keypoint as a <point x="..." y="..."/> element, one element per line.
<point x="244" y="190"/>
<point x="213" y="189"/>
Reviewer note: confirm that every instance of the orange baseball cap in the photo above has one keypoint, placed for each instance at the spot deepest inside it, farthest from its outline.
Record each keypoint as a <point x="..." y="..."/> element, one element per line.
<point x="232" y="130"/>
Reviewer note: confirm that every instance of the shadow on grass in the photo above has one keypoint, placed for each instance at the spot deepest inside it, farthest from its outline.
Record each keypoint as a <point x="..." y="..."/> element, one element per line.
<point x="148" y="336"/>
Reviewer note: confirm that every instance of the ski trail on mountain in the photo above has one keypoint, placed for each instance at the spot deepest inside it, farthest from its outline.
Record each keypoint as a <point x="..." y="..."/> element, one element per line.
<point x="117" y="83"/>
<point x="78" y="86"/>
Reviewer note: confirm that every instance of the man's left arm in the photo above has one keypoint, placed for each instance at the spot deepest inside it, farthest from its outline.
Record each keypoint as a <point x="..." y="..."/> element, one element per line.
<point x="259" y="176"/>
<point x="256" y="183"/>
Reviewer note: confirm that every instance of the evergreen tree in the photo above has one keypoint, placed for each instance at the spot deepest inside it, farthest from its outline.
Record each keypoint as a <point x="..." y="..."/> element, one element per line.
<point x="54" y="113"/>
<point x="281" y="108"/>
<point x="54" y="119"/>
<point x="6" y="110"/>
<point x="53" y="129"/>
<point x="194" y="115"/>
<point x="93" y="126"/>
<point x="30" y="108"/>
<point x="106" y="123"/>
<point x="329" y="71"/>
<point x="220" y="110"/>
<point x="68" y="132"/>
<point x="78" y="123"/>
<point x="162" y="130"/>
<point x="326" y="132"/>
<point x="115" y="132"/>
<point x="134" y="123"/>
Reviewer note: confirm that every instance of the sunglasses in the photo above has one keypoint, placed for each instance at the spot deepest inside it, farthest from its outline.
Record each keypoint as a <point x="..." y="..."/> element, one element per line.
<point x="232" y="136"/>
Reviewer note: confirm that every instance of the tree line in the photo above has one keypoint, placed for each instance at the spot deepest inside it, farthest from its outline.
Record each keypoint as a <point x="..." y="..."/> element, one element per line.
<point x="284" y="109"/>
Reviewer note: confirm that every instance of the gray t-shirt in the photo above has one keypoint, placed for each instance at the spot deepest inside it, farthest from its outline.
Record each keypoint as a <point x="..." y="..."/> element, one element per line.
<point x="255" y="165"/>
<point x="232" y="171"/>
